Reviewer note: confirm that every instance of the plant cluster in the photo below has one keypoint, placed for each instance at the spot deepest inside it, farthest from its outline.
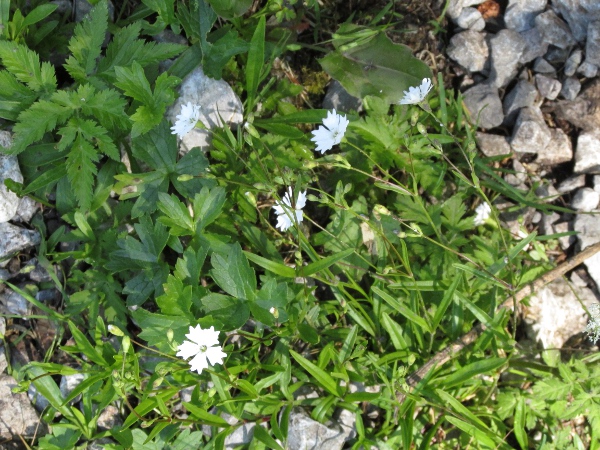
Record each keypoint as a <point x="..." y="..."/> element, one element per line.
<point x="229" y="281"/>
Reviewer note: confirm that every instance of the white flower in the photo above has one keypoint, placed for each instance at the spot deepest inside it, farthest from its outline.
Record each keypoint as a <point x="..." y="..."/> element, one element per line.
<point x="203" y="346"/>
<point x="331" y="133"/>
<point x="482" y="213"/>
<point x="285" y="210"/>
<point x="187" y="120"/>
<point x="417" y="94"/>
<point x="593" y="326"/>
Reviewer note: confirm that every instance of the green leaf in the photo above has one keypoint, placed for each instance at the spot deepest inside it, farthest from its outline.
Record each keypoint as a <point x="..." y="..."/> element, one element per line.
<point x="228" y="9"/>
<point x="256" y="60"/>
<point x="84" y="346"/>
<point x="14" y="96"/>
<point x="206" y="20"/>
<point x="233" y="274"/>
<point x="324" y="263"/>
<point x="133" y="82"/>
<point x="231" y="312"/>
<point x="471" y="430"/>
<point x="263" y="436"/>
<point x="394" y="330"/>
<point x="401" y="308"/>
<point x="156" y="326"/>
<point x="177" y="216"/>
<point x="471" y="370"/>
<point x="39" y="13"/>
<point x="33" y="123"/>
<point x="221" y="51"/>
<point x="373" y="65"/>
<point x="519" y="424"/>
<point x="25" y="65"/>
<point x="446" y="300"/>
<point x="205" y="417"/>
<point x="177" y="299"/>
<point x="322" y="377"/>
<point x="277" y="268"/>
<point x="86" y="43"/>
<point x="207" y="206"/>
<point x="348" y="345"/>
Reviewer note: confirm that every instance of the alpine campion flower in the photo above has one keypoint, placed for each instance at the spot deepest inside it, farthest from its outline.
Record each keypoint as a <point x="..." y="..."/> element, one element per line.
<point x="285" y="211"/>
<point x="417" y="94"/>
<point x="203" y="347"/>
<point x="331" y="132"/>
<point x="187" y="120"/>
<point x="593" y="326"/>
<point x="482" y="213"/>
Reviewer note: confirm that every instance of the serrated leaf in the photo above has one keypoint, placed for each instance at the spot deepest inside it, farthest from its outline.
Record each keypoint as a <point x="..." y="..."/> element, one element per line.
<point x="14" y="96"/>
<point x="178" y="217"/>
<point x="81" y="168"/>
<point x="221" y="51"/>
<point x="374" y="65"/>
<point x="86" y="43"/>
<point x="133" y="82"/>
<point x="25" y="65"/>
<point x="177" y="298"/>
<point x="108" y="107"/>
<point x="231" y="312"/>
<point x="233" y="273"/>
<point x="207" y="206"/>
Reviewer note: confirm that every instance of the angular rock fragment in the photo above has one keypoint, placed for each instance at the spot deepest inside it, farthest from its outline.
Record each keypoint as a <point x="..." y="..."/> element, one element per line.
<point x="570" y="88"/>
<point x="522" y="95"/>
<point x="573" y="63"/>
<point x="469" y="49"/>
<point x="559" y="149"/>
<point x="548" y="87"/>
<point x="571" y="183"/>
<point x="17" y="416"/>
<point x="554" y="30"/>
<point x="585" y="199"/>
<point x="506" y="49"/>
<point x="14" y="239"/>
<point x="520" y="15"/>
<point x="535" y="46"/>
<point x="584" y="111"/>
<point x="305" y="433"/>
<point x="9" y="169"/>
<point x="578" y="14"/>
<point x="587" y="153"/>
<point x="530" y="133"/>
<point x="492" y="144"/>
<point x="470" y="19"/>
<point x="588" y="69"/>
<point x="483" y="103"/>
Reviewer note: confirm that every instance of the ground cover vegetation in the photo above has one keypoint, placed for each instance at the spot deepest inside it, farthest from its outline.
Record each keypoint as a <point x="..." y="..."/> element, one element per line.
<point x="305" y="249"/>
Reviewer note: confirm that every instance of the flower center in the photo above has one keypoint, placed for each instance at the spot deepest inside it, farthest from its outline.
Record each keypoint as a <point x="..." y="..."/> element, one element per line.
<point x="203" y="348"/>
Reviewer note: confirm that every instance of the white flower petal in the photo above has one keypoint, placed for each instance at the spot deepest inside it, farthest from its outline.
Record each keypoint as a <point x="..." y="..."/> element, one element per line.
<point x="202" y="344"/>
<point x="482" y="213"/>
<point x="331" y="132"/>
<point x="187" y="120"/>
<point x="215" y="355"/>
<point x="199" y="363"/>
<point x="416" y="94"/>
<point x="286" y="212"/>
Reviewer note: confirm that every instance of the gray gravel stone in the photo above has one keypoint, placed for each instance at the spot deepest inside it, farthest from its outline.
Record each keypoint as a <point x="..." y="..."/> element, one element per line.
<point x="520" y="15"/>
<point x="506" y="49"/>
<point x="9" y="168"/>
<point x="559" y="149"/>
<point x="584" y="111"/>
<point x="587" y="153"/>
<point x="27" y="208"/>
<point x="585" y="199"/>
<point x="554" y="30"/>
<point x="492" y="144"/>
<point x="578" y="14"/>
<point x="14" y="239"/>
<point x="565" y="241"/>
<point x="216" y="99"/>
<point x="592" y="44"/>
<point x="542" y="66"/>
<point x="522" y="95"/>
<point x="305" y="433"/>
<point x="588" y="69"/>
<point x="109" y="418"/>
<point x="469" y="49"/>
<point x="455" y="7"/>
<point x="535" y="46"/>
<point x="573" y="63"/>
<point x="17" y="416"/>
<point x="14" y="303"/>
<point x="597" y="183"/>
<point x="530" y="133"/>
<point x="483" y="103"/>
<point x="570" y="88"/>
<point x="339" y="99"/>
<point x="588" y="229"/>
<point x="548" y="87"/>
<point x="470" y="19"/>
<point x="571" y="183"/>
